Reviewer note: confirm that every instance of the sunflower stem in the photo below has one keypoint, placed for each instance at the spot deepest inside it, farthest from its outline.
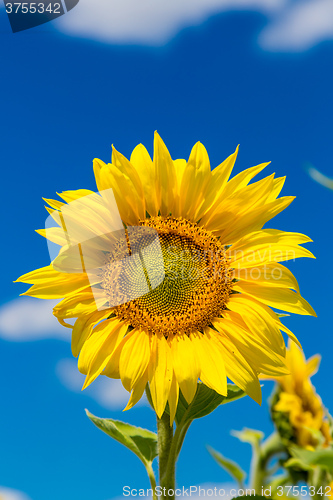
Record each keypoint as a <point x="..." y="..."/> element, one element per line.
<point x="165" y="440"/>
<point x="175" y="448"/>
<point x="260" y="459"/>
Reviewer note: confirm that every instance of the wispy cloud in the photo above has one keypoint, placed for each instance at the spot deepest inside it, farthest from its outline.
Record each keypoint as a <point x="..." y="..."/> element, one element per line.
<point x="147" y="22"/>
<point x="9" y="494"/>
<point x="292" y="25"/>
<point x="319" y="177"/>
<point x="27" y="319"/>
<point x="107" y="392"/>
<point x="299" y="26"/>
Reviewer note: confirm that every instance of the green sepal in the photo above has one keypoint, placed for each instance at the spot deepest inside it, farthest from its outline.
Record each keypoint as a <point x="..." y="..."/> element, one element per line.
<point x="228" y="465"/>
<point x="140" y="441"/>
<point x="204" y="402"/>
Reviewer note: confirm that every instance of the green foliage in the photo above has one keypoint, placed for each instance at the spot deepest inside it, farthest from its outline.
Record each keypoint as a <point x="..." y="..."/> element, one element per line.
<point x="140" y="441"/>
<point x="307" y="459"/>
<point x="205" y="401"/>
<point x="251" y="436"/>
<point x="229" y="465"/>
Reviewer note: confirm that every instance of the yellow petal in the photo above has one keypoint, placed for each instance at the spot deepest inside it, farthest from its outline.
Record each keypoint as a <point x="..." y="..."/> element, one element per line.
<point x="252" y="221"/>
<point x="312" y="365"/>
<point x="290" y="334"/>
<point x="243" y="178"/>
<point x="134" y="359"/>
<point x="270" y="236"/>
<point x="143" y="164"/>
<point x="137" y="391"/>
<point x="238" y="203"/>
<point x="57" y="289"/>
<point x="128" y="169"/>
<point x="74" y="306"/>
<point x="259" y="321"/>
<point x="86" y="215"/>
<point x="54" y="214"/>
<point x="54" y="234"/>
<point x="267" y="245"/>
<point x="218" y="181"/>
<point x="212" y="369"/>
<point x="297" y="364"/>
<point x="75" y="194"/>
<point x="54" y="203"/>
<point x="112" y="367"/>
<point x="195" y="180"/>
<point x="97" y="350"/>
<point x="74" y="259"/>
<point x="173" y="398"/>
<point x="83" y="327"/>
<point x="239" y="370"/>
<point x="160" y="373"/>
<point x="221" y="173"/>
<point x="166" y="178"/>
<point x="279" y="298"/>
<point x="180" y="167"/>
<point x="270" y="274"/>
<point x="44" y="275"/>
<point x="250" y="346"/>
<point x="277" y="188"/>
<point x="185" y="364"/>
<point x="130" y="203"/>
<point x="98" y="165"/>
<point x="259" y="307"/>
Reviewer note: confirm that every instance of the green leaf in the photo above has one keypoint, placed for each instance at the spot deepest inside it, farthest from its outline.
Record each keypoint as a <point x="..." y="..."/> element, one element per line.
<point x="229" y="465"/>
<point x="251" y="436"/>
<point x="307" y="458"/>
<point x="141" y="441"/>
<point x="205" y="401"/>
<point x="297" y="464"/>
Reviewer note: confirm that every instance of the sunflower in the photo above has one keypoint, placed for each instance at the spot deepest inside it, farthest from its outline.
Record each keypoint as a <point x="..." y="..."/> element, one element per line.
<point x="171" y="276"/>
<point x="297" y="398"/>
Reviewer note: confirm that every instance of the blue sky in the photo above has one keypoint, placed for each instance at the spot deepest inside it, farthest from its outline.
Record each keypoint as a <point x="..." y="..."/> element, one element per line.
<point x="67" y="93"/>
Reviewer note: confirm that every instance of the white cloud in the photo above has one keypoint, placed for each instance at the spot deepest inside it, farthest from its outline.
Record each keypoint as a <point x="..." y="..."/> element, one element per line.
<point x="107" y="392"/>
<point x="150" y="22"/>
<point x="26" y="319"/>
<point x="292" y="25"/>
<point x="299" y="27"/>
<point x="9" y="494"/>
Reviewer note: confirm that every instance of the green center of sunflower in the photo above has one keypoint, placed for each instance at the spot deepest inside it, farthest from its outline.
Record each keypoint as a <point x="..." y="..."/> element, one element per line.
<point x="196" y="284"/>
